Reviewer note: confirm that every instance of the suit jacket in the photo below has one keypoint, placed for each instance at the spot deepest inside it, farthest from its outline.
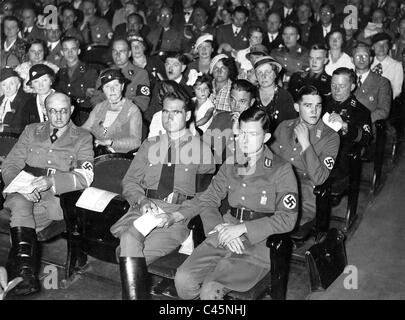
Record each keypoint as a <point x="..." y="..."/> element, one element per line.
<point x="14" y="118"/>
<point x="292" y="17"/>
<point x="55" y="56"/>
<point x="121" y="32"/>
<point x="316" y="34"/>
<point x="275" y="43"/>
<point x="375" y="94"/>
<point x="30" y="113"/>
<point x="35" y="33"/>
<point x="224" y="34"/>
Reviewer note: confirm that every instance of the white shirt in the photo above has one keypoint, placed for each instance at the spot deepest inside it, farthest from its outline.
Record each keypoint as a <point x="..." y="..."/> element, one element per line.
<point x="245" y="64"/>
<point x="52" y="45"/>
<point x="187" y="16"/>
<point x="392" y="70"/>
<point x="272" y="36"/>
<point x="326" y="30"/>
<point x="235" y="29"/>
<point x="287" y="11"/>
<point x="363" y="76"/>
<point x="7" y="48"/>
<point x="6" y="106"/>
<point x="343" y="61"/>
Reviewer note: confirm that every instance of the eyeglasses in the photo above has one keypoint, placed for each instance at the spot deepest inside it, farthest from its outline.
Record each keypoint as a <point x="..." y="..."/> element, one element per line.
<point x="63" y="112"/>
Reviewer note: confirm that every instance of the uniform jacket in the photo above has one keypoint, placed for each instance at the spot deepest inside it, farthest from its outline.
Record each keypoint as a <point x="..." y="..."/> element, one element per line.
<point x="171" y="40"/>
<point x="270" y="188"/>
<point x="35" y="33"/>
<point x="14" y="118"/>
<point x="100" y="32"/>
<point x="317" y="161"/>
<point x="71" y="155"/>
<point x="55" y="56"/>
<point x="292" y="60"/>
<point x="224" y="34"/>
<point x="83" y="77"/>
<point x="145" y="170"/>
<point x="125" y="131"/>
<point x="73" y="32"/>
<point x="320" y="81"/>
<point x="375" y="94"/>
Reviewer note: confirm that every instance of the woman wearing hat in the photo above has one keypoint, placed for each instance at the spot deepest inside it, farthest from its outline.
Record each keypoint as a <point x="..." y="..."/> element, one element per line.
<point x="36" y="53"/>
<point x="224" y="71"/>
<point x="116" y="123"/>
<point x="204" y="46"/>
<point x="277" y="101"/>
<point x="41" y="79"/>
<point x="152" y="64"/>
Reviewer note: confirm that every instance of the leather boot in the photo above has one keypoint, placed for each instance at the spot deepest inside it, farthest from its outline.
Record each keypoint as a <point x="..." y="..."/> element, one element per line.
<point x="23" y="260"/>
<point x="133" y="278"/>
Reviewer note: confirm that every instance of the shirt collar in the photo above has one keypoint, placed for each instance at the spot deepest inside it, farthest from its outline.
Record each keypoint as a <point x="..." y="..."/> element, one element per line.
<point x="364" y="76"/>
<point x="11" y="99"/>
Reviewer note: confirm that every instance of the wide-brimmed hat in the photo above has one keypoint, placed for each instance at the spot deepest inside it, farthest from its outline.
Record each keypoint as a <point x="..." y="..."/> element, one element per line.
<point x="6" y="73"/>
<point x="109" y="75"/>
<point x="39" y="70"/>
<point x="132" y="36"/>
<point x="269" y="60"/>
<point x="379" y="37"/>
<point x="257" y="50"/>
<point x="203" y="38"/>
<point x="215" y="60"/>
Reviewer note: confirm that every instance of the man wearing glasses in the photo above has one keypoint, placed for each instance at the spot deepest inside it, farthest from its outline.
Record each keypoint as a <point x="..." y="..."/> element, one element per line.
<point x="318" y="32"/>
<point x="60" y="157"/>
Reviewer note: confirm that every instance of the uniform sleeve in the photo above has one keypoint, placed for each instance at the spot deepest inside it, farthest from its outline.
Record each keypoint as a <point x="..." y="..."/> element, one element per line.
<point x="275" y="146"/>
<point x="142" y="97"/>
<point x="384" y="101"/>
<point x="132" y="189"/>
<point x="15" y="160"/>
<point x="82" y="176"/>
<point x="207" y="203"/>
<point x="359" y="129"/>
<point x="286" y="209"/>
<point x="318" y="167"/>
<point x="133" y="140"/>
<point x="208" y="163"/>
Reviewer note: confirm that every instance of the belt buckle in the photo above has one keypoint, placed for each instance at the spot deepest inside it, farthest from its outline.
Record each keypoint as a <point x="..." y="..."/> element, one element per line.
<point x="241" y="214"/>
<point x="50" y="171"/>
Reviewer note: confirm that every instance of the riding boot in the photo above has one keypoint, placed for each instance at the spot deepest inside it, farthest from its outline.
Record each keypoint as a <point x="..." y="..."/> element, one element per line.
<point x="23" y="260"/>
<point x="133" y="278"/>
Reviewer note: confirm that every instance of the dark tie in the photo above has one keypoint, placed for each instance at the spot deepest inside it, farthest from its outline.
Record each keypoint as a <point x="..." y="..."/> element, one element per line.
<point x="160" y="40"/>
<point x="378" y="69"/>
<point x="235" y="34"/>
<point x="26" y="33"/>
<point x="54" y="137"/>
<point x="166" y="181"/>
<point x="359" y="81"/>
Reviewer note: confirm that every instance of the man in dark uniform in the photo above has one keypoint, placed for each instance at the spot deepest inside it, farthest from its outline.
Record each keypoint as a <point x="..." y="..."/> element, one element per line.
<point x="60" y="156"/>
<point x="262" y="192"/>
<point x="293" y="57"/>
<point x="77" y="80"/>
<point x="315" y="76"/>
<point x="353" y="117"/>
<point x="138" y="90"/>
<point x="309" y="145"/>
<point x="159" y="178"/>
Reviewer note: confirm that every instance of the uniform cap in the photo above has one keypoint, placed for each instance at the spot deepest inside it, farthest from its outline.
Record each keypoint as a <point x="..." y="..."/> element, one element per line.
<point x="379" y="37"/>
<point x="39" y="70"/>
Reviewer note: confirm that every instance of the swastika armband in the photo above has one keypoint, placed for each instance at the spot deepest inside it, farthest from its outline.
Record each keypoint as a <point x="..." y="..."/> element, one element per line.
<point x="143" y="90"/>
<point x="329" y="162"/>
<point x="287" y="201"/>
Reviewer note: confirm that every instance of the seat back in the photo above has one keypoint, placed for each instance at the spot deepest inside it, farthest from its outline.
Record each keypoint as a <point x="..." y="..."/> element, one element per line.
<point x="109" y="171"/>
<point x="97" y="54"/>
<point x="7" y="142"/>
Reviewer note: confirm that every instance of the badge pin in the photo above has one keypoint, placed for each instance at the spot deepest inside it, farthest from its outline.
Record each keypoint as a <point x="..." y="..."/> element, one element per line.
<point x="268" y="162"/>
<point x="263" y="200"/>
<point x="318" y="133"/>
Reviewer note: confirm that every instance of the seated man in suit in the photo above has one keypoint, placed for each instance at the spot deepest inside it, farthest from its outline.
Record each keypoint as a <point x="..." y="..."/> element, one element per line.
<point x="309" y="145"/>
<point x="318" y="32"/>
<point x="60" y="156"/>
<point x="373" y="90"/>
<point x="315" y="76"/>
<point x="12" y="102"/>
<point x="30" y="31"/>
<point x="233" y="37"/>
<point x="53" y="34"/>
<point x="273" y="39"/>
<point x="159" y="178"/>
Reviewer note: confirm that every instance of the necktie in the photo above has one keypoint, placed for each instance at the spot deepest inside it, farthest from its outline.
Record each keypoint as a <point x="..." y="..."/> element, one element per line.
<point x="378" y="69"/>
<point x="50" y="47"/>
<point x="359" y="81"/>
<point x="159" y="43"/>
<point x="54" y="137"/>
<point x="235" y="34"/>
<point x="166" y="181"/>
<point x="26" y="32"/>
<point x="271" y="38"/>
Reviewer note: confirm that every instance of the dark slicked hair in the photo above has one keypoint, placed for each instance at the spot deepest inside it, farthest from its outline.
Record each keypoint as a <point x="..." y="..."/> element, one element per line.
<point x="345" y="71"/>
<point x="305" y="91"/>
<point x="241" y="9"/>
<point x="256" y="114"/>
<point x="244" y="85"/>
<point x="170" y="89"/>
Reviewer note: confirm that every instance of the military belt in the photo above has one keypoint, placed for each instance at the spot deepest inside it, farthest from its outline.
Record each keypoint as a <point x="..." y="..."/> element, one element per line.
<point x="38" y="172"/>
<point x="175" y="198"/>
<point x="246" y="215"/>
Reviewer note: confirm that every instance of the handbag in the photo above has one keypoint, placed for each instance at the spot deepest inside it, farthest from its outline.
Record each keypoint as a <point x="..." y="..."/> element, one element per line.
<point x="326" y="260"/>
